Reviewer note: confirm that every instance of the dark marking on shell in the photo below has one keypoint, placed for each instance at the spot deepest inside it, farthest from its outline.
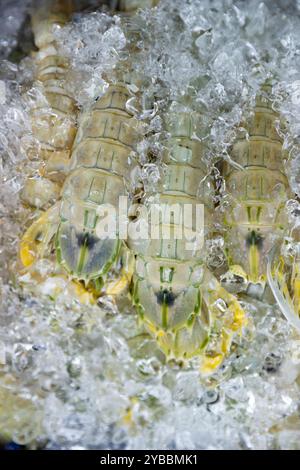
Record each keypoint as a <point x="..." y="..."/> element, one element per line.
<point x="254" y="239"/>
<point x="166" y="297"/>
<point x="86" y="239"/>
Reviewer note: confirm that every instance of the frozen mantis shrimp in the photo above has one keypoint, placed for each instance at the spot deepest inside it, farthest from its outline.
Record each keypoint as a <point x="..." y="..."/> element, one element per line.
<point x="54" y="114"/>
<point x="177" y="298"/>
<point x="257" y="221"/>
<point x="95" y="172"/>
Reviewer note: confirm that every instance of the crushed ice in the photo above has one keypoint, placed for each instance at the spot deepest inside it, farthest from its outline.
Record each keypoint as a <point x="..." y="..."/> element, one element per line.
<point x="77" y="375"/>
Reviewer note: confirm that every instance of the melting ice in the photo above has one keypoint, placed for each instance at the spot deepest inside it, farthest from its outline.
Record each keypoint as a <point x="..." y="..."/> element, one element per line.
<point x="88" y="377"/>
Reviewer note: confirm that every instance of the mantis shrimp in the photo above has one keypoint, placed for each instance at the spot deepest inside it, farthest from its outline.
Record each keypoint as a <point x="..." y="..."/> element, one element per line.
<point x="177" y="297"/>
<point x="54" y="115"/>
<point x="97" y="174"/>
<point x="257" y="219"/>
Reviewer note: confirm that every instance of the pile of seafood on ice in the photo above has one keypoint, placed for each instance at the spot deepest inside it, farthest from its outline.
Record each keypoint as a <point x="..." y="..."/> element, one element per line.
<point x="150" y="254"/>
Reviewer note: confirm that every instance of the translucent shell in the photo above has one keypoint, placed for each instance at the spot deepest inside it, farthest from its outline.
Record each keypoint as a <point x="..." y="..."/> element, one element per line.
<point x="259" y="191"/>
<point x="173" y="291"/>
<point x="99" y="171"/>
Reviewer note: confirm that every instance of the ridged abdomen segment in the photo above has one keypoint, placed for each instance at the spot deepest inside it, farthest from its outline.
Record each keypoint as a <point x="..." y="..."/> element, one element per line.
<point x="99" y="172"/>
<point x="54" y="117"/>
<point x="258" y="192"/>
<point x="53" y="121"/>
<point x="53" y="114"/>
